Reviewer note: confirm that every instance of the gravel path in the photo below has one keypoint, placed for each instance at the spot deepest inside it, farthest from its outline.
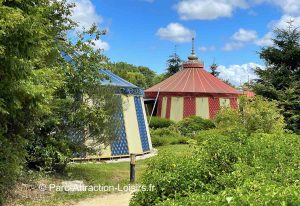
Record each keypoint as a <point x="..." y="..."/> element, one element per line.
<point x="115" y="199"/>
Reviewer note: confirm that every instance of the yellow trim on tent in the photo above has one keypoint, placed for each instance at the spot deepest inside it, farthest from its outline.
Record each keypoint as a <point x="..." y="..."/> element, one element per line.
<point x="131" y="126"/>
<point x="146" y="123"/>
<point x="164" y="107"/>
<point x="202" y="108"/>
<point x="176" y="113"/>
<point x="224" y="102"/>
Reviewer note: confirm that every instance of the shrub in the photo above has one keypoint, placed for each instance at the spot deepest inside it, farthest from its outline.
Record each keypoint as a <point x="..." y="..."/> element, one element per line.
<point x="169" y="175"/>
<point x="158" y="141"/>
<point x="50" y="155"/>
<point x="166" y="136"/>
<point x="166" y="140"/>
<point x="262" y="195"/>
<point x="157" y="122"/>
<point x="194" y="124"/>
<point x="235" y="168"/>
<point x="10" y="164"/>
<point x="168" y="131"/>
<point x="256" y="115"/>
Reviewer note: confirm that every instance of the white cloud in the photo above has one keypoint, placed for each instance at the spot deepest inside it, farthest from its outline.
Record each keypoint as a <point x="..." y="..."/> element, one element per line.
<point x="240" y="38"/>
<point x="207" y="49"/>
<point x="282" y="23"/>
<point x="175" y="32"/>
<point x="244" y="35"/>
<point x="99" y="44"/>
<point x="84" y="13"/>
<point x="213" y="9"/>
<point x="208" y="9"/>
<point x="289" y="7"/>
<point x="232" y="46"/>
<point x="238" y="74"/>
<point x="265" y="40"/>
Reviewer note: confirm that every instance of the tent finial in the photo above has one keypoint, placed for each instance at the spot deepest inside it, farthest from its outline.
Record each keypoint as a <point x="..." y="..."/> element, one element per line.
<point x="193" y="56"/>
<point x="193" y="45"/>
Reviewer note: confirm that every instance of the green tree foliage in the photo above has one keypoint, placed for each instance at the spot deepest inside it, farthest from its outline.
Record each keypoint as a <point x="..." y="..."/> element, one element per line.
<point x="226" y="81"/>
<point x="245" y="160"/>
<point x="280" y="79"/>
<point x="256" y="115"/>
<point x="174" y="64"/>
<point x="45" y="101"/>
<point x="191" y="125"/>
<point x="137" y="75"/>
<point x="214" y="70"/>
<point x="227" y="170"/>
<point x="166" y="136"/>
<point x="157" y="122"/>
<point x="28" y="78"/>
<point x="159" y="78"/>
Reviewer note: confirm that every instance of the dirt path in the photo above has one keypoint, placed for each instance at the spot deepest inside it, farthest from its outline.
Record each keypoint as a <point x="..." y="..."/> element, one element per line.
<point x="115" y="199"/>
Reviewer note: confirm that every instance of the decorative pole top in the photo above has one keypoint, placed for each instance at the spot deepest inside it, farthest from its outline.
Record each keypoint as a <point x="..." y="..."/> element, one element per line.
<point x="193" y="56"/>
<point x="192" y="61"/>
<point x="193" y="44"/>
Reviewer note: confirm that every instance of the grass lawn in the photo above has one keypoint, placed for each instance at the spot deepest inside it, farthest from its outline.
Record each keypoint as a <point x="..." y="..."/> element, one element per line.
<point x="98" y="174"/>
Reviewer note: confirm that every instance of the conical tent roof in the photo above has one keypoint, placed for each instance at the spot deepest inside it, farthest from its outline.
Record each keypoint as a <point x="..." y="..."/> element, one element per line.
<point x="191" y="92"/>
<point x="123" y="86"/>
<point x="195" y="80"/>
<point x="192" y="78"/>
<point x="115" y="80"/>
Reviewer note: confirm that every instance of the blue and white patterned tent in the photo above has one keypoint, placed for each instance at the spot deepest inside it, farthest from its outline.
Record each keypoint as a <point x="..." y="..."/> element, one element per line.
<point x="133" y="135"/>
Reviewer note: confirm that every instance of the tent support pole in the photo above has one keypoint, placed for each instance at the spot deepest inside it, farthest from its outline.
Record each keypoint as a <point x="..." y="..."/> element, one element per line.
<point x="154" y="106"/>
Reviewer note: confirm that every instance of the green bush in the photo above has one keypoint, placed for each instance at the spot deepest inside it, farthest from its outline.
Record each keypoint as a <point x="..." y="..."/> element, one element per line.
<point x="157" y="122"/>
<point x="50" y="155"/>
<point x="255" y="115"/>
<point x="246" y="160"/>
<point x="167" y="136"/>
<point x="165" y="140"/>
<point x="169" y="175"/>
<point x="191" y="125"/>
<point x="235" y="168"/>
<point x="264" y="195"/>
<point x="10" y="164"/>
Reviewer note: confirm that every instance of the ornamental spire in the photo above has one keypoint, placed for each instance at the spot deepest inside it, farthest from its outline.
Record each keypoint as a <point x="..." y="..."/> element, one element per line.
<point x="193" y="45"/>
<point x="193" y="56"/>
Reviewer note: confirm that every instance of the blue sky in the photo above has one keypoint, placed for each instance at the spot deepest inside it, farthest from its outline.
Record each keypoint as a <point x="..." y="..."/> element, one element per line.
<point x="229" y="32"/>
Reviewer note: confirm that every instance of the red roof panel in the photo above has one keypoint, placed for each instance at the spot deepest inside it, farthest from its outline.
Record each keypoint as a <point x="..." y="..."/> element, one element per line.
<point x="195" y="80"/>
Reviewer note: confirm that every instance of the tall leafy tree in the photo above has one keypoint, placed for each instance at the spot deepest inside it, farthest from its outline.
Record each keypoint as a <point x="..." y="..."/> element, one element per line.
<point x="280" y="79"/>
<point x="138" y="75"/>
<point x="45" y="99"/>
<point x="214" y="70"/>
<point x="173" y="64"/>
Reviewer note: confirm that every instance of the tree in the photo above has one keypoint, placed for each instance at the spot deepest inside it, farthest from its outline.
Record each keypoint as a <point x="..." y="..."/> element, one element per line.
<point x="213" y="69"/>
<point x="159" y="78"/>
<point x="174" y="64"/>
<point x="138" y="75"/>
<point x="27" y="79"/>
<point x="44" y="99"/>
<point x="280" y="79"/>
<point x="226" y="81"/>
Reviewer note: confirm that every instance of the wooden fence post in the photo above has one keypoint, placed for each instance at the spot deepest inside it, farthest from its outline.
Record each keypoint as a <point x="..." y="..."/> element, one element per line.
<point x="132" y="167"/>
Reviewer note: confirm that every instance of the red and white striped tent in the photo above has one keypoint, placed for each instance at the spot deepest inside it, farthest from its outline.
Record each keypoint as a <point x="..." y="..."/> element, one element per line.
<point x="192" y="91"/>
